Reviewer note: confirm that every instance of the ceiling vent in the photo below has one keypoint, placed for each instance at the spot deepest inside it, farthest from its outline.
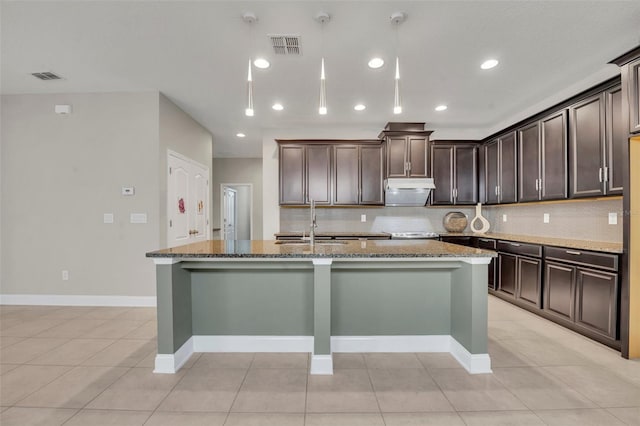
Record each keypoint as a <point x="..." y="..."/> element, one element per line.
<point x="47" y="75"/>
<point x="285" y="44"/>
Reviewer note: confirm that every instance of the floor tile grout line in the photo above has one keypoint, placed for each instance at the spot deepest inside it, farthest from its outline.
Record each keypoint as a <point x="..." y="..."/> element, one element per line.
<point x="43" y="386"/>
<point x="246" y="373"/>
<point x="373" y="389"/>
<point x="168" y="393"/>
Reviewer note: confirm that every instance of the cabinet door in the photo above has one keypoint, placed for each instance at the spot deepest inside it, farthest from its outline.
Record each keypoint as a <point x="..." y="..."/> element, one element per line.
<point x="371" y="174"/>
<point x="634" y="96"/>
<point x="559" y="289"/>
<point x="345" y="172"/>
<point x="553" y="166"/>
<point x="529" y="162"/>
<point x="466" y="174"/>
<point x="397" y="157"/>
<point x="417" y="157"/>
<point x="586" y="147"/>
<point x="529" y="280"/>
<point x="319" y="174"/>
<point x="507" y="276"/>
<point x="508" y="180"/>
<point x="442" y="173"/>
<point x="597" y="301"/>
<point x="489" y="244"/>
<point x="491" y="172"/>
<point x="615" y="141"/>
<point x="292" y="171"/>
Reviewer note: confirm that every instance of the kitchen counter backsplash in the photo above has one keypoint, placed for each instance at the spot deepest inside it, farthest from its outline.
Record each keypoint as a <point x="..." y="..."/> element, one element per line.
<point x="584" y="220"/>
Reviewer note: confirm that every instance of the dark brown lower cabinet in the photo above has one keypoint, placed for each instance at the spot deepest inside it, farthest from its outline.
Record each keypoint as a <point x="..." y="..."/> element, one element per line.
<point x="581" y="290"/>
<point x="489" y="244"/>
<point x="520" y="272"/>
<point x="529" y="280"/>
<point x="507" y="273"/>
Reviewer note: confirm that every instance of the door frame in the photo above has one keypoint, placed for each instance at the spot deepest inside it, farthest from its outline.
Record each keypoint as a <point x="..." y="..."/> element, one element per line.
<point x="232" y="185"/>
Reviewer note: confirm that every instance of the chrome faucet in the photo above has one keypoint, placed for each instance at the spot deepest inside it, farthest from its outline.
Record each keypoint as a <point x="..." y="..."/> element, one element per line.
<point x="313" y="225"/>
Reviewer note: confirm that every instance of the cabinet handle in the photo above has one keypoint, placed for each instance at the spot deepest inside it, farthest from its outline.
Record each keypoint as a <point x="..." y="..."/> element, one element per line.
<point x="485" y="240"/>
<point x="409" y="166"/>
<point x="537" y="188"/>
<point x="515" y="244"/>
<point x="606" y="174"/>
<point x="600" y="174"/>
<point x="577" y="253"/>
<point x="499" y="189"/>
<point x="496" y="190"/>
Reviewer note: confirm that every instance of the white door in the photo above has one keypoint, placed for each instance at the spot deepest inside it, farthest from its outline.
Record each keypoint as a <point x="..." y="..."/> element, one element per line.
<point x="187" y="201"/>
<point x="229" y="214"/>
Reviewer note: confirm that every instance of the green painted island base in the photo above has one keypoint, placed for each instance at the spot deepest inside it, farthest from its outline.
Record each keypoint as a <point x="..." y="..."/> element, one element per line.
<point x="321" y="306"/>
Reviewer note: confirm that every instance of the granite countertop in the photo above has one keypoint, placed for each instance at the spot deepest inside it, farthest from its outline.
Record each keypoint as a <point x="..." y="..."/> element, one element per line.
<point x="349" y="249"/>
<point x="602" y="246"/>
<point x="336" y="234"/>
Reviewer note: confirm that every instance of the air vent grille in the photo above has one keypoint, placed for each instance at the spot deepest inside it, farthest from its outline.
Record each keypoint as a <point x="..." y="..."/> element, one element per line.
<point x="285" y="44"/>
<point x="47" y="75"/>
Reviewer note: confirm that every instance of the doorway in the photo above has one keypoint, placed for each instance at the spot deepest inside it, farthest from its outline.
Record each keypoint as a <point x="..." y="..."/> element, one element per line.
<point x="237" y="211"/>
<point x="187" y="200"/>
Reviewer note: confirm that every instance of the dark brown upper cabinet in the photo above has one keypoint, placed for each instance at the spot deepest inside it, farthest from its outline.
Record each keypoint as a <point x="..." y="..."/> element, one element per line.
<point x="407" y="150"/>
<point x="305" y="172"/>
<point x="633" y="81"/>
<point x="358" y="174"/>
<point x="596" y="145"/>
<point x="542" y="159"/>
<point x="454" y="168"/>
<point x="333" y="172"/>
<point x="500" y="170"/>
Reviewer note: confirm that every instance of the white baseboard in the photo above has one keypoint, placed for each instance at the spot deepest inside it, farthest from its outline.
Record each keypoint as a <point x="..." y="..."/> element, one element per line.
<point x="473" y="363"/>
<point x="171" y="363"/>
<point x="390" y="343"/>
<point x="76" y="300"/>
<point x="253" y="343"/>
<point x="321" y="365"/>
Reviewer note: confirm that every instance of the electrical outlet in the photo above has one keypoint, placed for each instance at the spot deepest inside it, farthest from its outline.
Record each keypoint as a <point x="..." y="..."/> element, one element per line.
<point x="504" y="217"/>
<point x="65" y="275"/>
<point x="613" y="218"/>
<point x="108" y="218"/>
<point x="545" y="218"/>
<point x="363" y="218"/>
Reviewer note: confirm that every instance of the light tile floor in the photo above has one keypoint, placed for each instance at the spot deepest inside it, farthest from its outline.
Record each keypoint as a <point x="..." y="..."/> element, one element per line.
<point x="93" y="366"/>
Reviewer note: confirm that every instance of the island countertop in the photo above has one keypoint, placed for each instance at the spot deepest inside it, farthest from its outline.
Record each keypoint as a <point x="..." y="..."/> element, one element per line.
<point x="344" y="249"/>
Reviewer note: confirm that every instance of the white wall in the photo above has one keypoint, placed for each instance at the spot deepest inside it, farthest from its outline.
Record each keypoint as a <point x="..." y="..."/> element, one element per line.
<point x="239" y="170"/>
<point x="61" y="173"/>
<point x="182" y="134"/>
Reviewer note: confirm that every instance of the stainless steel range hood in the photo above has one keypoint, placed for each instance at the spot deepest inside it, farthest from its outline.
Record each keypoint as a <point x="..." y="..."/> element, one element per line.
<point x="403" y="192"/>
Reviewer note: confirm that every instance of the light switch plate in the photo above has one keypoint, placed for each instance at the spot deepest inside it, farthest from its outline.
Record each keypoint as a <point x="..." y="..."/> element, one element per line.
<point x="108" y="218"/>
<point x="545" y="217"/>
<point x="504" y="217"/>
<point x="613" y="218"/>
<point x="363" y="218"/>
<point x="65" y="275"/>
<point x="138" y="218"/>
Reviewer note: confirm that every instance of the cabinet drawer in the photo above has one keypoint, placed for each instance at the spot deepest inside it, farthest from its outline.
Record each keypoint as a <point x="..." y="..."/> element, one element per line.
<point x="520" y="248"/>
<point x="583" y="257"/>
<point x="486" y="243"/>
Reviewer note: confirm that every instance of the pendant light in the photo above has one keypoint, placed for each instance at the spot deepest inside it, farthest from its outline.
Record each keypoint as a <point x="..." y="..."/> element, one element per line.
<point x="249" y="18"/>
<point x="322" y="17"/>
<point x="397" y="18"/>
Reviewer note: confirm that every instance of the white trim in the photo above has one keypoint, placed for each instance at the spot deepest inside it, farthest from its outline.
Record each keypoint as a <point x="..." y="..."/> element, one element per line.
<point x="166" y="260"/>
<point x="478" y="260"/>
<point x="321" y="364"/>
<point x="322" y="261"/>
<point x="253" y="343"/>
<point x="473" y="363"/>
<point x="171" y="363"/>
<point x="185" y="158"/>
<point x="76" y="300"/>
<point x="390" y="343"/>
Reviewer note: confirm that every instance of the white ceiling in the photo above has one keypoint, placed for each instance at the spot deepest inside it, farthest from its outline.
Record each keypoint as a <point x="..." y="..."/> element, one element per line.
<point x="196" y="53"/>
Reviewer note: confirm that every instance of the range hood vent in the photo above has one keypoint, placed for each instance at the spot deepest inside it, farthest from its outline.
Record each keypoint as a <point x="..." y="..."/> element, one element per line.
<point x="404" y="192"/>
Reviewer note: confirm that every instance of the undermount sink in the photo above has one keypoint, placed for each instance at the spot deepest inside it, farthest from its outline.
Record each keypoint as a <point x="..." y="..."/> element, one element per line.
<point x="318" y="242"/>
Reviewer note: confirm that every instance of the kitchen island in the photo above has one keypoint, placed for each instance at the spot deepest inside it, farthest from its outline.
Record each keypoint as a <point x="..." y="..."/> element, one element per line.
<point x="334" y="296"/>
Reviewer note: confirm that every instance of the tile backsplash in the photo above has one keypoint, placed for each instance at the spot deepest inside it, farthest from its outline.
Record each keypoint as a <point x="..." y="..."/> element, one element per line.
<point x="585" y="220"/>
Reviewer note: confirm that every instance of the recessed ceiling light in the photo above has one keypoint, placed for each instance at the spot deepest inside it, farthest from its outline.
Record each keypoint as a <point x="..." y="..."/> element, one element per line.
<point x="240" y="135"/>
<point x="261" y="63"/>
<point x="277" y="107"/>
<point x="441" y="107"/>
<point x="376" y="63"/>
<point x="360" y="107"/>
<point x="489" y="63"/>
